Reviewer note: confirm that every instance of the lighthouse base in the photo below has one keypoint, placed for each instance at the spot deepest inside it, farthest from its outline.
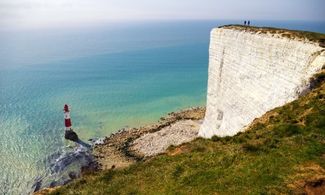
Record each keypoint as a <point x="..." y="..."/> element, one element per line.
<point x="71" y="135"/>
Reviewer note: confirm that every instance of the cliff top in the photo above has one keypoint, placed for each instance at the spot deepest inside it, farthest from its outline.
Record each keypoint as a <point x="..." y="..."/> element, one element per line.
<point x="292" y="34"/>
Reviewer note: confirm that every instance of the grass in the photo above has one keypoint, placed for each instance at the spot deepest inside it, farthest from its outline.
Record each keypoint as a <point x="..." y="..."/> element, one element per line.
<point x="277" y="150"/>
<point x="291" y="34"/>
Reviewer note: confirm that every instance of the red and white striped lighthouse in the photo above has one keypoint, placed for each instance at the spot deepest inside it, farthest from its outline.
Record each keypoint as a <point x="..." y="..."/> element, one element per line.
<point x="67" y="120"/>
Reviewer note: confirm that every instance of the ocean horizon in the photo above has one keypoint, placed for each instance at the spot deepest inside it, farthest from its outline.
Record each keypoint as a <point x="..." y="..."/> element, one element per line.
<point x="113" y="77"/>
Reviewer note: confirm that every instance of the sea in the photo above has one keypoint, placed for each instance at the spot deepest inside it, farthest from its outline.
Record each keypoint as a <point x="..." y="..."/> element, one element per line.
<point x="113" y="76"/>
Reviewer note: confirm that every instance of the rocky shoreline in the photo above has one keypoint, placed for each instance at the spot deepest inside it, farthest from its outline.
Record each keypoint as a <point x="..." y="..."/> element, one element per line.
<point x="131" y="145"/>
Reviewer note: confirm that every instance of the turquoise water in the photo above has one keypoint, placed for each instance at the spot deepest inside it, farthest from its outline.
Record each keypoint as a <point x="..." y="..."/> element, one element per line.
<point x="112" y="76"/>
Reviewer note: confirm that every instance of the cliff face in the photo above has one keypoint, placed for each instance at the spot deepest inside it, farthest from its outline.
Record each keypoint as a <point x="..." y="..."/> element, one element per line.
<point x="252" y="72"/>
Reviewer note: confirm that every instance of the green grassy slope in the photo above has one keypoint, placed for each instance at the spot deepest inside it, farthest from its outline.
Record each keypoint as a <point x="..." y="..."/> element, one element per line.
<point x="278" y="154"/>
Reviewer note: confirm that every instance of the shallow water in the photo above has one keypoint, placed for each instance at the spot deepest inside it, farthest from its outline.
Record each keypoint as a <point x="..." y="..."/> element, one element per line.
<point x="112" y="76"/>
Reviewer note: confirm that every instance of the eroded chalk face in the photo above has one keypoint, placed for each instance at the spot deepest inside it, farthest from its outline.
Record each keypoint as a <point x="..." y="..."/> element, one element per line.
<point x="251" y="73"/>
<point x="220" y="115"/>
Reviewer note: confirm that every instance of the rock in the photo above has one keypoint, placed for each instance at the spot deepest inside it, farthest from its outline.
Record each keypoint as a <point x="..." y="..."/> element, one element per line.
<point x="53" y="184"/>
<point x="118" y="150"/>
<point x="100" y="141"/>
<point x="175" y="134"/>
<point x="315" y="187"/>
<point x="73" y="175"/>
<point x="250" y="74"/>
<point x="71" y="135"/>
<point x="37" y="185"/>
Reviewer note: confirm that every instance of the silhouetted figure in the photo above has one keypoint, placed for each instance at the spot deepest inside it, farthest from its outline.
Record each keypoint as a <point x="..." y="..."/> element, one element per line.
<point x="249" y="23"/>
<point x="245" y="23"/>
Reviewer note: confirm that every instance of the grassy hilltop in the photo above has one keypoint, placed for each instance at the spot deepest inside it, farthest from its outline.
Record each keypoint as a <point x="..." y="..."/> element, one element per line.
<point x="281" y="152"/>
<point x="291" y="34"/>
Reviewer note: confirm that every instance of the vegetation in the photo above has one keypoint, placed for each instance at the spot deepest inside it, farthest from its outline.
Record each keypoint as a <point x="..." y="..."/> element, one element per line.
<point x="311" y="36"/>
<point x="278" y="153"/>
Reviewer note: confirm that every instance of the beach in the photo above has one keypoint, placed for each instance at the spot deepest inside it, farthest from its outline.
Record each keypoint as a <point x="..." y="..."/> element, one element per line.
<point x="128" y="146"/>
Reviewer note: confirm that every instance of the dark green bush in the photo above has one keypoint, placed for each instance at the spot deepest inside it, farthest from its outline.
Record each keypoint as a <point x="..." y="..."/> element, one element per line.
<point x="178" y="171"/>
<point x="252" y="146"/>
<point x="108" y="175"/>
<point x="287" y="130"/>
<point x="216" y="138"/>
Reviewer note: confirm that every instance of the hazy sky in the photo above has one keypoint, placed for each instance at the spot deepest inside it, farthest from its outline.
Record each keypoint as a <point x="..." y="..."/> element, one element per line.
<point x="42" y="13"/>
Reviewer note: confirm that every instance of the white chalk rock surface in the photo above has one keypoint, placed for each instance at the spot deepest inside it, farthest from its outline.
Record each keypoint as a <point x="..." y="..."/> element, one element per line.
<point x="251" y="73"/>
<point x="154" y="143"/>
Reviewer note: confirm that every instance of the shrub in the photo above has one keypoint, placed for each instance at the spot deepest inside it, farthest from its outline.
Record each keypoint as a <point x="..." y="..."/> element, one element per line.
<point x="261" y="145"/>
<point x="288" y="129"/>
<point x="108" y="176"/>
<point x="320" y="123"/>
<point x="216" y="138"/>
<point x="317" y="80"/>
<point x="199" y="149"/>
<point x="239" y="139"/>
<point x="252" y="146"/>
<point x="178" y="171"/>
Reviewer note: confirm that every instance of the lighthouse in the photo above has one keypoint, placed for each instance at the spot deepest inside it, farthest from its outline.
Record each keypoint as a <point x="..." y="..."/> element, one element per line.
<point x="69" y="133"/>
<point x="67" y="119"/>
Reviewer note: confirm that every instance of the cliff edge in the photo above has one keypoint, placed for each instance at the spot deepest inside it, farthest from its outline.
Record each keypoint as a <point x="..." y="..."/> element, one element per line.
<point x="253" y="70"/>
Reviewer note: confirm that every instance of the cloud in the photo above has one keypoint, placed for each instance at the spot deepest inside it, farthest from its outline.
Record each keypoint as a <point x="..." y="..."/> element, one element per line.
<point x="40" y="13"/>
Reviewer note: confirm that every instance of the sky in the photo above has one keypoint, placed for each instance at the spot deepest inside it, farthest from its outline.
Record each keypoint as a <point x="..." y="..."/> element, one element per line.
<point x="45" y="13"/>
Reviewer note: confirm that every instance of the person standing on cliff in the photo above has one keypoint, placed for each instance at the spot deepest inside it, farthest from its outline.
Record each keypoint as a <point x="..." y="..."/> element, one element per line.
<point x="245" y="23"/>
<point x="249" y="22"/>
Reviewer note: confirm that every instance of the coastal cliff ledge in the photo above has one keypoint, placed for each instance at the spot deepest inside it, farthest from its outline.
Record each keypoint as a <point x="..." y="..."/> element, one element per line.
<point x="280" y="32"/>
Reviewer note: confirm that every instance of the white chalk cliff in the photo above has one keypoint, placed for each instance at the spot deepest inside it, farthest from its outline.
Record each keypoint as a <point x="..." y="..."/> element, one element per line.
<point x="251" y="73"/>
